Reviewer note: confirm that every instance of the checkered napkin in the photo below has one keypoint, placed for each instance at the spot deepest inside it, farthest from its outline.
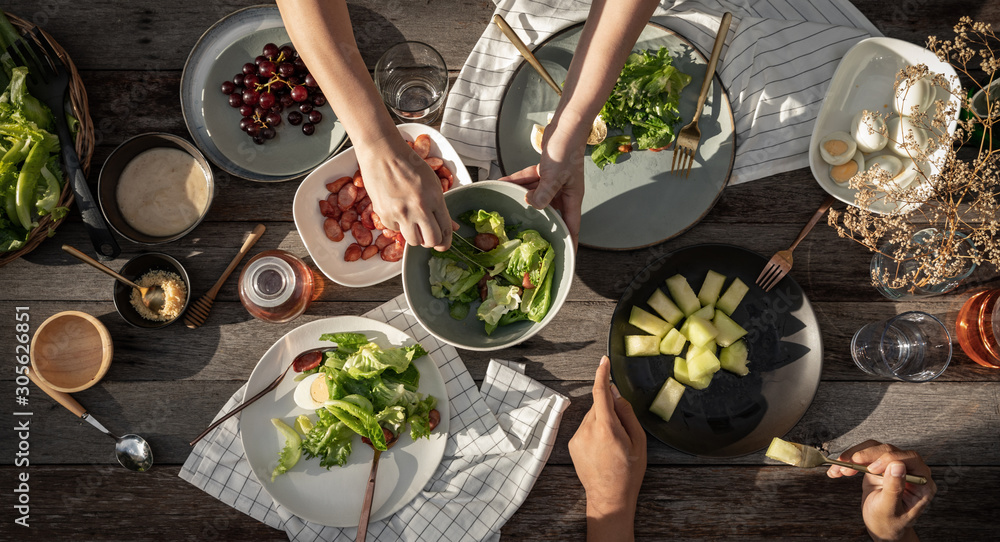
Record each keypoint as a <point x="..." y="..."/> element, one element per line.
<point x="500" y="437"/>
<point x="779" y="59"/>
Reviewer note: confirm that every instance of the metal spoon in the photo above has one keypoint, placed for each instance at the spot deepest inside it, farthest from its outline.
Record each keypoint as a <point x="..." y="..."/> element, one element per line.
<point x="312" y="352"/>
<point x="132" y="451"/>
<point x="152" y="296"/>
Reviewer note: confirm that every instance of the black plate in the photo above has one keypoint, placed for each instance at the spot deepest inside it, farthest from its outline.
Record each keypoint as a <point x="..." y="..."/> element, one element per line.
<point x="734" y="415"/>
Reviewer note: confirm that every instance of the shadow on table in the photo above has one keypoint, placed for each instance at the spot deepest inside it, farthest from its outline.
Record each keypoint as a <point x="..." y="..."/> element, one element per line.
<point x="373" y="33"/>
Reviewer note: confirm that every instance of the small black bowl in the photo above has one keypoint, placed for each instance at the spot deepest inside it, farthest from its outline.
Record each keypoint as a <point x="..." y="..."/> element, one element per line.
<point x="136" y="268"/>
<point x="107" y="184"/>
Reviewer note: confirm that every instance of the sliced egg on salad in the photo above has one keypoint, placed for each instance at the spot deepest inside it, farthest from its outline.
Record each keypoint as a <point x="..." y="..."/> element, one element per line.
<point x="312" y="392"/>
<point x="537" y="133"/>
<point x="919" y="94"/>
<point x="843" y="173"/>
<point x="837" y="148"/>
<point x="866" y="130"/>
<point x="901" y="127"/>
<point x="598" y="132"/>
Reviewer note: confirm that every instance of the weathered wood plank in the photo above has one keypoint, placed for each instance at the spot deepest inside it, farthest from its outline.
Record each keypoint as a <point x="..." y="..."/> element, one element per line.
<point x="155" y="37"/>
<point x="228" y="346"/>
<point x="949" y="423"/>
<point x="766" y="503"/>
<point x="827" y="268"/>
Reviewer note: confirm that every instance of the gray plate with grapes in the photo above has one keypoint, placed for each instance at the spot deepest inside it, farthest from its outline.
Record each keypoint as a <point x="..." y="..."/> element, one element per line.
<point x="217" y="127"/>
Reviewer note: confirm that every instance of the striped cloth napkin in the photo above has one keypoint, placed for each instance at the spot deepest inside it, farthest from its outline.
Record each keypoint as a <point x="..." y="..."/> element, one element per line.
<point x="500" y="437"/>
<point x="779" y="59"/>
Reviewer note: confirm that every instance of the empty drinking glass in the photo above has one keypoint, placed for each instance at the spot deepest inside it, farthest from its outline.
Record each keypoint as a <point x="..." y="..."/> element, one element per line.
<point x="913" y="346"/>
<point x="413" y="80"/>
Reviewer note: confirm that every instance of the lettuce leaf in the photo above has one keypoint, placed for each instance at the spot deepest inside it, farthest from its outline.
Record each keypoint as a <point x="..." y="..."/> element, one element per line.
<point x="499" y="300"/>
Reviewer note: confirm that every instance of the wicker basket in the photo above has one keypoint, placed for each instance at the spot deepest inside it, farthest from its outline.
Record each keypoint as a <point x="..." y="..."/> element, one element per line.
<point x="84" y="144"/>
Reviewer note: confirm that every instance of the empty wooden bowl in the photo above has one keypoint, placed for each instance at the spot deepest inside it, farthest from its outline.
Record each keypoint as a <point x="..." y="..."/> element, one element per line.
<point x="71" y="351"/>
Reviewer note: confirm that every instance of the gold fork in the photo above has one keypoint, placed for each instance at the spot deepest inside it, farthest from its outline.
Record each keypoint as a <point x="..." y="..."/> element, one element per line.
<point x="781" y="263"/>
<point x="690" y="135"/>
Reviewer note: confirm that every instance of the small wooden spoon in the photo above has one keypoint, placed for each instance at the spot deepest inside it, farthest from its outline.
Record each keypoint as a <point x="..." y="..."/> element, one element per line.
<point x="197" y="313"/>
<point x="152" y="296"/>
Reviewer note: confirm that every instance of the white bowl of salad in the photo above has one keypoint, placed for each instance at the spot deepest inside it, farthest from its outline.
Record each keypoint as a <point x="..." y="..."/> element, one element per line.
<point x="506" y="276"/>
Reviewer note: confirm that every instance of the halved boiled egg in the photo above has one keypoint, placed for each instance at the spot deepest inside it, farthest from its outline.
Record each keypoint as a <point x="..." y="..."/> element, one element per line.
<point x="907" y="175"/>
<point x="866" y="130"/>
<point x="887" y="163"/>
<point x="843" y="173"/>
<point x="312" y="392"/>
<point x="537" y="133"/>
<point x="837" y="148"/>
<point x="919" y="94"/>
<point x="899" y="129"/>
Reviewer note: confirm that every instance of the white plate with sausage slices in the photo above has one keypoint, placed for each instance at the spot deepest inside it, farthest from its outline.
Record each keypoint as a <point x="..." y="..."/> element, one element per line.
<point x="337" y="227"/>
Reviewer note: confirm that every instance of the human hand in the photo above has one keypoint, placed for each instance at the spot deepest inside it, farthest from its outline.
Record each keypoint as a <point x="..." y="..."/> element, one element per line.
<point x="405" y="192"/>
<point x="558" y="177"/>
<point x="890" y="506"/>
<point x="609" y="455"/>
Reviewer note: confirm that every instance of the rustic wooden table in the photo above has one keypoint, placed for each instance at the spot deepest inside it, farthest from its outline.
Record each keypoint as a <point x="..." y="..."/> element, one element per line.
<point x="168" y="384"/>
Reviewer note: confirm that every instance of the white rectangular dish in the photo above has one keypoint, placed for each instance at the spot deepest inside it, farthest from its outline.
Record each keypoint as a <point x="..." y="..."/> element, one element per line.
<point x="865" y="79"/>
<point x="329" y="255"/>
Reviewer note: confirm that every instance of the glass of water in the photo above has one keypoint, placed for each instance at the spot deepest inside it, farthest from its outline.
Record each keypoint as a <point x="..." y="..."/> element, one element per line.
<point x="413" y="80"/>
<point x="913" y="346"/>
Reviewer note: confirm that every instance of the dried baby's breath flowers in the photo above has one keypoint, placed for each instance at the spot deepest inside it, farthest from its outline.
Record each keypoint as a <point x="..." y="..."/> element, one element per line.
<point x="952" y="201"/>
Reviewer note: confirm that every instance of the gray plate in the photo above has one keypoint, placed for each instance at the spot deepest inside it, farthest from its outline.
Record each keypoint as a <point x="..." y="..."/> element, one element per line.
<point x="219" y="54"/>
<point x="734" y="415"/>
<point x="636" y="202"/>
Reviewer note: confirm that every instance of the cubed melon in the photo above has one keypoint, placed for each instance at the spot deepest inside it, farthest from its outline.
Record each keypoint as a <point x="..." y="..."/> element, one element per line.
<point x="665" y="307"/>
<point x="784" y="451"/>
<point x="710" y="288"/>
<point x="731" y="299"/>
<point x="681" y="374"/>
<point x="702" y="365"/>
<point x="667" y="399"/>
<point x="707" y="312"/>
<point x="642" y="345"/>
<point x="701" y="331"/>
<point x="685" y="329"/>
<point x="673" y="343"/>
<point x="648" y="323"/>
<point x="733" y="358"/>
<point x="728" y="331"/>
<point x="683" y="295"/>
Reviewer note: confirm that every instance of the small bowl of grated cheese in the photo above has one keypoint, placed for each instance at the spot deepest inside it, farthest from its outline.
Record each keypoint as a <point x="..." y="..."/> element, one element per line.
<point x="149" y="269"/>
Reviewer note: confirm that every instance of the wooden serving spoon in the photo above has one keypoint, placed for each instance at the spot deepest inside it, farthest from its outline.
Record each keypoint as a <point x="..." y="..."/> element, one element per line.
<point x="152" y="296"/>
<point x="197" y="313"/>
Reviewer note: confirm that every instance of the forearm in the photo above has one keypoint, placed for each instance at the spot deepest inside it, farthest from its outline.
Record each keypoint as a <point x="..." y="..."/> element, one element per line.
<point x="322" y="34"/>
<point x="610" y="526"/>
<point x="608" y="36"/>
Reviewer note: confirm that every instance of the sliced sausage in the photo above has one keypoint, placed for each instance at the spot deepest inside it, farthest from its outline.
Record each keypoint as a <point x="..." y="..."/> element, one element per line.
<point x="422" y="145"/>
<point x="347" y="219"/>
<point x="392" y="252"/>
<point x="366" y="219"/>
<point x="526" y="282"/>
<point x="382" y="241"/>
<point x="434" y="162"/>
<point x="335" y="186"/>
<point x="362" y="234"/>
<point x="327" y="210"/>
<point x="332" y="229"/>
<point x="347" y="196"/>
<point x="353" y="253"/>
<point x="377" y="221"/>
<point x="358" y="181"/>
<point x="363" y="204"/>
<point x="486" y="241"/>
<point x="369" y="252"/>
<point x="433" y="418"/>
<point x="362" y="194"/>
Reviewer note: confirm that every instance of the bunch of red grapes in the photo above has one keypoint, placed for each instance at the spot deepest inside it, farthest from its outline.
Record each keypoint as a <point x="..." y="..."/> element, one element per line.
<point x="275" y="82"/>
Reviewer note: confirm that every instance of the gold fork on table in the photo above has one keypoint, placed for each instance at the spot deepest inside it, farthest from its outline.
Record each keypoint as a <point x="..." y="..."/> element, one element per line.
<point x="690" y="135"/>
<point x="781" y="263"/>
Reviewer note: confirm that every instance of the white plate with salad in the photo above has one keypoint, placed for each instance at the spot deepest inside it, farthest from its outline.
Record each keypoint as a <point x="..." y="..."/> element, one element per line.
<point x="635" y="202"/>
<point x="334" y="496"/>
